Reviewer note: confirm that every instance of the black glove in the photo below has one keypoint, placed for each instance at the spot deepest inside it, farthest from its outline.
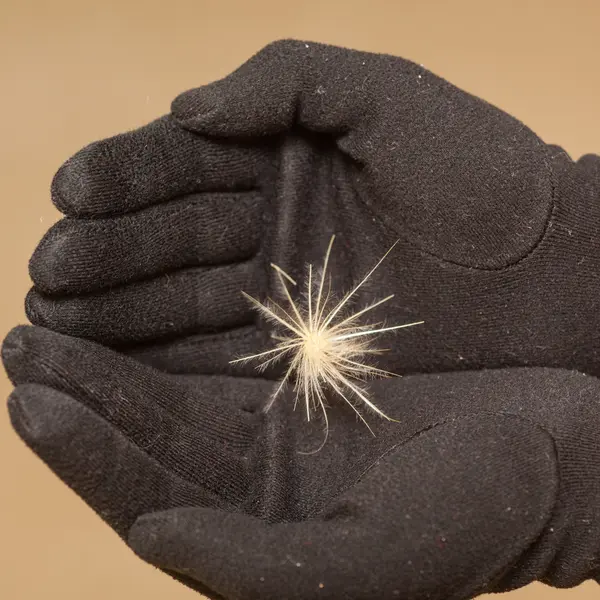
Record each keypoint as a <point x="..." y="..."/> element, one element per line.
<point x="497" y="253"/>
<point x="161" y="234"/>
<point x="490" y="480"/>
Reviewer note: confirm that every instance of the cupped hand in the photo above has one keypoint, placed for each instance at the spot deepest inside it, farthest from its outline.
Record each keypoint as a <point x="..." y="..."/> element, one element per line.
<point x="166" y="225"/>
<point x="488" y="481"/>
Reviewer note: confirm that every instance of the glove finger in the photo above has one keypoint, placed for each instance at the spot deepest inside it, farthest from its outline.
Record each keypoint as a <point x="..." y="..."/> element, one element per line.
<point x="323" y="88"/>
<point x="202" y="429"/>
<point x="150" y="165"/>
<point x="84" y="255"/>
<point x="446" y="530"/>
<point x="210" y="354"/>
<point x="132" y="396"/>
<point x="113" y="475"/>
<point x="190" y="301"/>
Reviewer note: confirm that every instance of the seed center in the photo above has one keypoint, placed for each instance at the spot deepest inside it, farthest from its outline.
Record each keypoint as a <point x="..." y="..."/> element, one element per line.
<point x="315" y="344"/>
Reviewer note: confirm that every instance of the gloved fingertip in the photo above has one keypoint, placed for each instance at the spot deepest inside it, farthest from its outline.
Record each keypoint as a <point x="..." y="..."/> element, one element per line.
<point x="34" y="411"/>
<point x="69" y="187"/>
<point x="147" y="534"/>
<point x="198" y="107"/>
<point x="19" y="415"/>
<point x="34" y="308"/>
<point x="14" y="345"/>
<point x="95" y="179"/>
<point x="47" y="263"/>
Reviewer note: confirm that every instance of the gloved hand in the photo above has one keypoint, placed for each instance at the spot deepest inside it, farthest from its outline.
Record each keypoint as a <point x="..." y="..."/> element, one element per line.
<point x="490" y="480"/>
<point x="161" y="233"/>
<point x="497" y="253"/>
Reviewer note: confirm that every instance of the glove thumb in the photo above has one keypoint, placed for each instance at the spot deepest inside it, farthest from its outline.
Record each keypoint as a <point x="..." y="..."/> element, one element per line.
<point x="317" y="86"/>
<point x="446" y="531"/>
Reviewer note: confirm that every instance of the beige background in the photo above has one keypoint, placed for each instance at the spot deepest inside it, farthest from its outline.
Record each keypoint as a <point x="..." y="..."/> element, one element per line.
<point x="73" y="71"/>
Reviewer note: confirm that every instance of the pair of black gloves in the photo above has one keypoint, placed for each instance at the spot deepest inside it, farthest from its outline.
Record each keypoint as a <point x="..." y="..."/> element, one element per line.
<point x="489" y="480"/>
